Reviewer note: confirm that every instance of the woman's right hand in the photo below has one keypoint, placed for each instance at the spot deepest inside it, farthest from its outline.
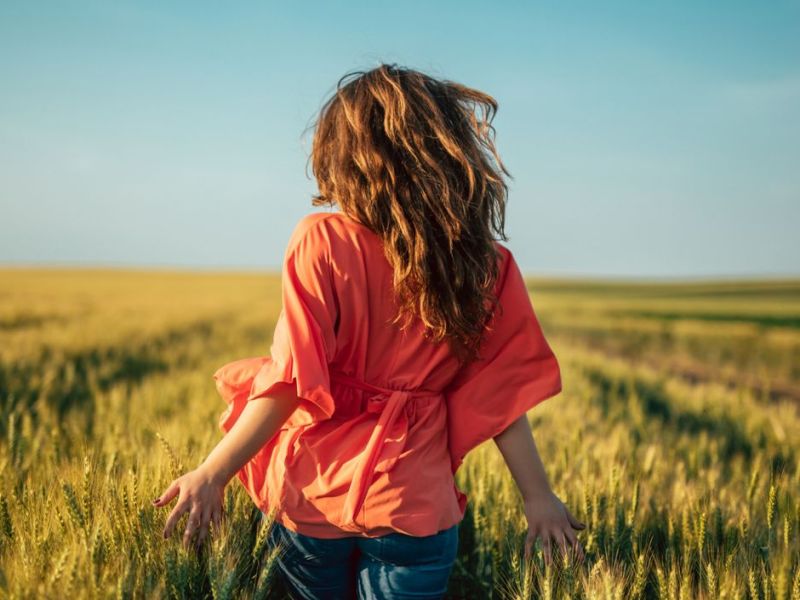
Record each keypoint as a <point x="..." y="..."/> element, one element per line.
<point x="202" y="495"/>
<point x="549" y="518"/>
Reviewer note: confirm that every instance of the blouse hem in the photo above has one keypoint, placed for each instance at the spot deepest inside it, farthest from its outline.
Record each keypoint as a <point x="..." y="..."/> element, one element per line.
<point x="330" y="531"/>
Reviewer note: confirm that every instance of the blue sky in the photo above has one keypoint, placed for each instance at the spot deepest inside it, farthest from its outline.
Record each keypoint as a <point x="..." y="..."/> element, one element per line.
<point x="644" y="140"/>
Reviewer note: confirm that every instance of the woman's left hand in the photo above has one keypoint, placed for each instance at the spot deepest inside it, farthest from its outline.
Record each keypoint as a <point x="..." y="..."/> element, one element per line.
<point x="202" y="495"/>
<point x="550" y="519"/>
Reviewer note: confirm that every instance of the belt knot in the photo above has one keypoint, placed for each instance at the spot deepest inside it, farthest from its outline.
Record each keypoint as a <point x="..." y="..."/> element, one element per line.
<point x="386" y="442"/>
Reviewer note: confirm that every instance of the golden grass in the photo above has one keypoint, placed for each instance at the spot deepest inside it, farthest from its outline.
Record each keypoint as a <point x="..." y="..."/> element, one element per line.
<point x="675" y="439"/>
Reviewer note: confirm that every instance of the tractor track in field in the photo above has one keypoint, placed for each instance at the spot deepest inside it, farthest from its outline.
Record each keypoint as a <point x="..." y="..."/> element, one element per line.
<point x="702" y="374"/>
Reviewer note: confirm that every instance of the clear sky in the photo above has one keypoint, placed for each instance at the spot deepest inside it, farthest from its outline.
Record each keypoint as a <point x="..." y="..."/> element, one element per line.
<point x="644" y="140"/>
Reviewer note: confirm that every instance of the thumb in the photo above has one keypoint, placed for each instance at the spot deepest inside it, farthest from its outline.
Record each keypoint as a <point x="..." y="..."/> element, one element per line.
<point x="171" y="491"/>
<point x="573" y="521"/>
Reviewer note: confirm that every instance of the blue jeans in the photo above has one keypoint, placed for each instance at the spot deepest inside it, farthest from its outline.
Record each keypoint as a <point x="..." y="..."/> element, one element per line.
<point x="392" y="566"/>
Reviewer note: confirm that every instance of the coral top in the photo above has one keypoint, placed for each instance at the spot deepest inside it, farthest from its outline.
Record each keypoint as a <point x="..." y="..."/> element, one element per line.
<point x="385" y="416"/>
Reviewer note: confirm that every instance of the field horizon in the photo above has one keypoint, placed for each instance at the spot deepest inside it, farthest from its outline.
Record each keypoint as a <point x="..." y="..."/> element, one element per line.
<point x="531" y="275"/>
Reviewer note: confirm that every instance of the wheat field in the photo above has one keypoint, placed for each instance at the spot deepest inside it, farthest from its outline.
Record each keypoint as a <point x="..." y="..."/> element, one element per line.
<point x="676" y="439"/>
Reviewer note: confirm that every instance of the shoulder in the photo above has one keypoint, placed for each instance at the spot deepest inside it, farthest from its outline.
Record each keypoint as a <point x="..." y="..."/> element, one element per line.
<point x="310" y="234"/>
<point x="331" y="233"/>
<point x="312" y="223"/>
<point x="503" y="252"/>
<point x="324" y="237"/>
<point x="324" y="224"/>
<point x="506" y="262"/>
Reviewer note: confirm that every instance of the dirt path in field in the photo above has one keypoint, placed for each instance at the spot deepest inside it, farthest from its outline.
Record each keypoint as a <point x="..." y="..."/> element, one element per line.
<point x="695" y="373"/>
<point x="774" y="390"/>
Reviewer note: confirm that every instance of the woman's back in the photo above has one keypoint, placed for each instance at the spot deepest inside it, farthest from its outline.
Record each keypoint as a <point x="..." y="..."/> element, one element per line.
<point x="367" y="344"/>
<point x="368" y="462"/>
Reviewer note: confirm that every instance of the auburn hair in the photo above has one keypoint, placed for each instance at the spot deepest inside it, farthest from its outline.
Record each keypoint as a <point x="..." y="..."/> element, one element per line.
<point x="413" y="159"/>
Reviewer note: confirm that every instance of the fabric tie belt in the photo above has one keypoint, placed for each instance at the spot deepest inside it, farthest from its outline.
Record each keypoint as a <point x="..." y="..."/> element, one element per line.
<point x="387" y="440"/>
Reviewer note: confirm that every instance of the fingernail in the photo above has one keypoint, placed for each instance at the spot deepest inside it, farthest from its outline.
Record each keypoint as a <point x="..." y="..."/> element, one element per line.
<point x="156" y="500"/>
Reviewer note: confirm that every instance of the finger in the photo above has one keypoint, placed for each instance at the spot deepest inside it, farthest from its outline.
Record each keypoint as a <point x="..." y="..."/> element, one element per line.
<point x="528" y="545"/>
<point x="546" y="548"/>
<point x="169" y="493"/>
<point x="180" y="508"/>
<point x="216" y="517"/>
<point x="579" y="552"/>
<point x="573" y="521"/>
<point x="202" y="531"/>
<point x="192" y="524"/>
<point x="574" y="544"/>
<point x="561" y="538"/>
<point x="216" y="522"/>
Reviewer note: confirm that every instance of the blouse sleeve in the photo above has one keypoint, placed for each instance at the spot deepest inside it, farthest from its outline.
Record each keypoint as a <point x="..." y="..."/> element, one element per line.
<point x="304" y="338"/>
<point x="516" y="370"/>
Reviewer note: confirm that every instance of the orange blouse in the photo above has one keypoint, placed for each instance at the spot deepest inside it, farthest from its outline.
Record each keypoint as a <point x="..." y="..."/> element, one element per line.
<point x="385" y="416"/>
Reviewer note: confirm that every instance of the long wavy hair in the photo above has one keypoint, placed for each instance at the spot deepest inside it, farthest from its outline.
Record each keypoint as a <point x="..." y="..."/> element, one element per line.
<point x="413" y="159"/>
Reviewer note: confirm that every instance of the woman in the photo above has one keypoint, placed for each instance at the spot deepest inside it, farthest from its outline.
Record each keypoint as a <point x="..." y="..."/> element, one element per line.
<point x="407" y="337"/>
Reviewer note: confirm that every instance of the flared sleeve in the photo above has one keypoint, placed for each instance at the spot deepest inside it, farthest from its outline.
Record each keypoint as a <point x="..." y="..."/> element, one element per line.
<point x="516" y="369"/>
<point x="304" y="338"/>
